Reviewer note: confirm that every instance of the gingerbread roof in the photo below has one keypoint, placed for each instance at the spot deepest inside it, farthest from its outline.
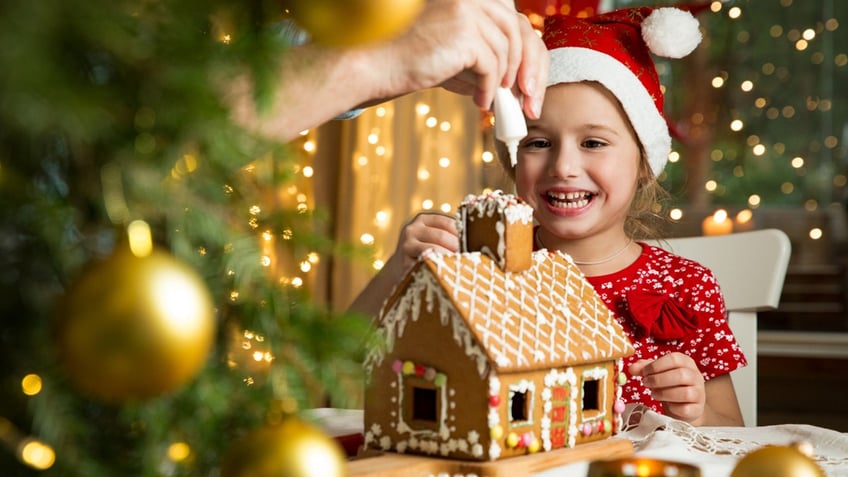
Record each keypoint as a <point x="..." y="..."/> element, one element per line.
<point x="546" y="316"/>
<point x="543" y="317"/>
<point x="540" y="313"/>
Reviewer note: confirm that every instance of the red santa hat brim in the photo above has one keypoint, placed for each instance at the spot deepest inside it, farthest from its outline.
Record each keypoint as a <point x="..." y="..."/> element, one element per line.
<point x="575" y="64"/>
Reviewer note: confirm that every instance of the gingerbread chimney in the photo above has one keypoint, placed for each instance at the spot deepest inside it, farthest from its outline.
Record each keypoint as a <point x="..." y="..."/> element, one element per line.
<point x="498" y="225"/>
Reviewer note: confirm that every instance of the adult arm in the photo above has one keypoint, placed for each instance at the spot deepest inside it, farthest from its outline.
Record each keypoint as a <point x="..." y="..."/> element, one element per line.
<point x="466" y="46"/>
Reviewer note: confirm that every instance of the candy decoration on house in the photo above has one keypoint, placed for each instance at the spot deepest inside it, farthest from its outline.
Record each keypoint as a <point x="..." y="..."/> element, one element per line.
<point x="353" y="22"/>
<point x="495" y="351"/>
<point x="135" y="325"/>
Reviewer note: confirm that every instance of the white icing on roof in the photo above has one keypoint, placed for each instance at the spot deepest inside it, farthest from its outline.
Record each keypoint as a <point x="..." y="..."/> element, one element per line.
<point x="545" y="316"/>
<point x="541" y="321"/>
<point x="511" y="321"/>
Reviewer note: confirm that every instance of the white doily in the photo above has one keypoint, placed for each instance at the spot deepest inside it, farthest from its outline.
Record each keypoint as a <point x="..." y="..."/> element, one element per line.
<point x="655" y="435"/>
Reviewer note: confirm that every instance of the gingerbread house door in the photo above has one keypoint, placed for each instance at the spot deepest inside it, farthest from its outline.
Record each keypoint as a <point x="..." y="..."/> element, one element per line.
<point x="560" y="400"/>
<point x="559" y="396"/>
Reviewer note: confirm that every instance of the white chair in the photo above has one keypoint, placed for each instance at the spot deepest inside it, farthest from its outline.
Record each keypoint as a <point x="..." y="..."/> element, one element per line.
<point x="750" y="268"/>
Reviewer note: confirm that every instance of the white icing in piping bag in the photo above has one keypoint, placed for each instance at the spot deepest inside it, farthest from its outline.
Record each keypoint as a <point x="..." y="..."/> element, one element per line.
<point x="510" y="126"/>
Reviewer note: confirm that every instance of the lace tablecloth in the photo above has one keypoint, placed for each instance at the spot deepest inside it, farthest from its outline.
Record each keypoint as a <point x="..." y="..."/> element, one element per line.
<point x="715" y="450"/>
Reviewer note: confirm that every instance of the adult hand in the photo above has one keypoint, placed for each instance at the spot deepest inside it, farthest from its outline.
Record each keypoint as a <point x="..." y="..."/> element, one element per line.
<point x="674" y="380"/>
<point x="471" y="47"/>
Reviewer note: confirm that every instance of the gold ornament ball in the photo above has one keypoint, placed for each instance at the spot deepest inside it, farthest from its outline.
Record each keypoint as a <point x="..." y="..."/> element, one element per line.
<point x="135" y="327"/>
<point x="353" y="22"/>
<point x="777" y="461"/>
<point x="292" y="448"/>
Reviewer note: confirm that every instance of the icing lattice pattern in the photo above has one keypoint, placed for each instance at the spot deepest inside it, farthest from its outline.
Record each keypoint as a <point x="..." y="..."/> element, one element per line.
<point x="541" y="317"/>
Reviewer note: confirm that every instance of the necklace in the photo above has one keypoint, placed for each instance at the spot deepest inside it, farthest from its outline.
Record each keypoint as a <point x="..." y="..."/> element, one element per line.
<point x="590" y="262"/>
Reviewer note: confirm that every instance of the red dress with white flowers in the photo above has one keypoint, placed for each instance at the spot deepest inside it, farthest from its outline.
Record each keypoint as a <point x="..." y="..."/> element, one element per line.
<point x="668" y="303"/>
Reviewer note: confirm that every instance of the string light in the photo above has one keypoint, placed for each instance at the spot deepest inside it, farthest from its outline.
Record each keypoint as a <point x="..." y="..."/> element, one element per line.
<point x="736" y="125"/>
<point x="29" y="451"/>
<point x="734" y="13"/>
<point x="36" y="454"/>
<point x="673" y="157"/>
<point x="179" y="451"/>
<point x="31" y="384"/>
<point x="675" y="214"/>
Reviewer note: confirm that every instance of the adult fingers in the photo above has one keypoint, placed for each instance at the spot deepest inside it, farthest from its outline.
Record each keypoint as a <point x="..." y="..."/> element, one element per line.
<point x="533" y="71"/>
<point x="497" y="62"/>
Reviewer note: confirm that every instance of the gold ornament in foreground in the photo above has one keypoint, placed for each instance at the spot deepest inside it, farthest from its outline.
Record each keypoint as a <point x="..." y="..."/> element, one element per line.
<point x="135" y="327"/>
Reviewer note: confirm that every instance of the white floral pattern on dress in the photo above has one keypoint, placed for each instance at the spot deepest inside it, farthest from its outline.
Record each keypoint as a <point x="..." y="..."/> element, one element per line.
<point x="694" y="287"/>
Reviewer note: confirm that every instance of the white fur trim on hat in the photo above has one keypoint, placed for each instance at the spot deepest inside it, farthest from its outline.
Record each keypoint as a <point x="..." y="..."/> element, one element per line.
<point x="574" y="64"/>
<point x="671" y="32"/>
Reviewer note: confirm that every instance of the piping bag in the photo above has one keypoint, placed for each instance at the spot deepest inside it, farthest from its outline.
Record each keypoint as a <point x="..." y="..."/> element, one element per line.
<point x="510" y="126"/>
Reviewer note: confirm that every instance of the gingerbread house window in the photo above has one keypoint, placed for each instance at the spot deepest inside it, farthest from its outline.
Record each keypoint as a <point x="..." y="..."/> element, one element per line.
<point x="423" y="408"/>
<point x="593" y="389"/>
<point x="521" y="402"/>
<point x="591" y="395"/>
<point x="519" y="407"/>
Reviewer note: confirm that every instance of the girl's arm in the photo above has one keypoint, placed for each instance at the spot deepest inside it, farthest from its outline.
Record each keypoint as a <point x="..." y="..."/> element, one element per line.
<point x="467" y="46"/>
<point x="722" y="406"/>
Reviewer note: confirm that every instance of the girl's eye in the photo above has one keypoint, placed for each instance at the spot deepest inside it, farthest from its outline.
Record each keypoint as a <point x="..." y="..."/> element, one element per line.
<point x="593" y="143"/>
<point x="536" y="143"/>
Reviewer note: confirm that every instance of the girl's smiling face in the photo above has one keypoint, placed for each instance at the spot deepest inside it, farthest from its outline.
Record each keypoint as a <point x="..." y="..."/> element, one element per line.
<point x="578" y="167"/>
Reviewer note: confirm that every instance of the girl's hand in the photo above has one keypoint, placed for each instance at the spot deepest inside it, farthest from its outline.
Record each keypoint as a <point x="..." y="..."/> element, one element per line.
<point x="425" y="231"/>
<point x="675" y="380"/>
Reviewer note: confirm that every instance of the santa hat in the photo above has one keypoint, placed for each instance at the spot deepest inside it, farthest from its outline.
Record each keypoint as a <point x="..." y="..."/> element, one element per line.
<point x="615" y="49"/>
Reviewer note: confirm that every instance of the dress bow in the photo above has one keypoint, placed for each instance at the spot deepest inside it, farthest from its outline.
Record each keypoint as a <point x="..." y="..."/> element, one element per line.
<point x="661" y="317"/>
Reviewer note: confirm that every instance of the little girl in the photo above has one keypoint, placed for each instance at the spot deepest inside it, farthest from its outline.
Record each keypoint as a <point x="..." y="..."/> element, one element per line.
<point x="588" y="168"/>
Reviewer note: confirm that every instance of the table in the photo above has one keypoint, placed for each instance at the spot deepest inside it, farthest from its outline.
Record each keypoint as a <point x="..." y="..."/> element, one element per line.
<point x="715" y="450"/>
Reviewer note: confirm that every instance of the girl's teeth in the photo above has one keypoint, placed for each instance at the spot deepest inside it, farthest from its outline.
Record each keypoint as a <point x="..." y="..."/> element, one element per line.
<point x="569" y="200"/>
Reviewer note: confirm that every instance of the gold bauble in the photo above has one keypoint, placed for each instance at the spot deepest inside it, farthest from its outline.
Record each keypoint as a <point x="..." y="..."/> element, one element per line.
<point x="777" y="461"/>
<point x="292" y="448"/>
<point x="353" y="22"/>
<point x="135" y="327"/>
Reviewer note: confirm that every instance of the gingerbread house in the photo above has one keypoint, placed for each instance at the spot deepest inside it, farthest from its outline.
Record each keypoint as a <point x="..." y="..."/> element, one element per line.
<point x="495" y="351"/>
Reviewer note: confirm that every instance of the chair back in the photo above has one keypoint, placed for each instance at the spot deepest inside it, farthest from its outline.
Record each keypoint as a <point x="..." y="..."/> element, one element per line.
<point x="750" y="268"/>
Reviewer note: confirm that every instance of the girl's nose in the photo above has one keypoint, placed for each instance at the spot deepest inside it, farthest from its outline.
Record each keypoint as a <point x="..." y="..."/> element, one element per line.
<point x="564" y="163"/>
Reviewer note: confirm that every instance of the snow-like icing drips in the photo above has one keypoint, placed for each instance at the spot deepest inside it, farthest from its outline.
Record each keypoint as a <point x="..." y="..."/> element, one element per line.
<point x="409" y="306"/>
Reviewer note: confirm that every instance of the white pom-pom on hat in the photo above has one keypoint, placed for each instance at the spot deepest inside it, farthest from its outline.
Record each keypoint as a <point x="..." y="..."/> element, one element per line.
<point x="671" y="32"/>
